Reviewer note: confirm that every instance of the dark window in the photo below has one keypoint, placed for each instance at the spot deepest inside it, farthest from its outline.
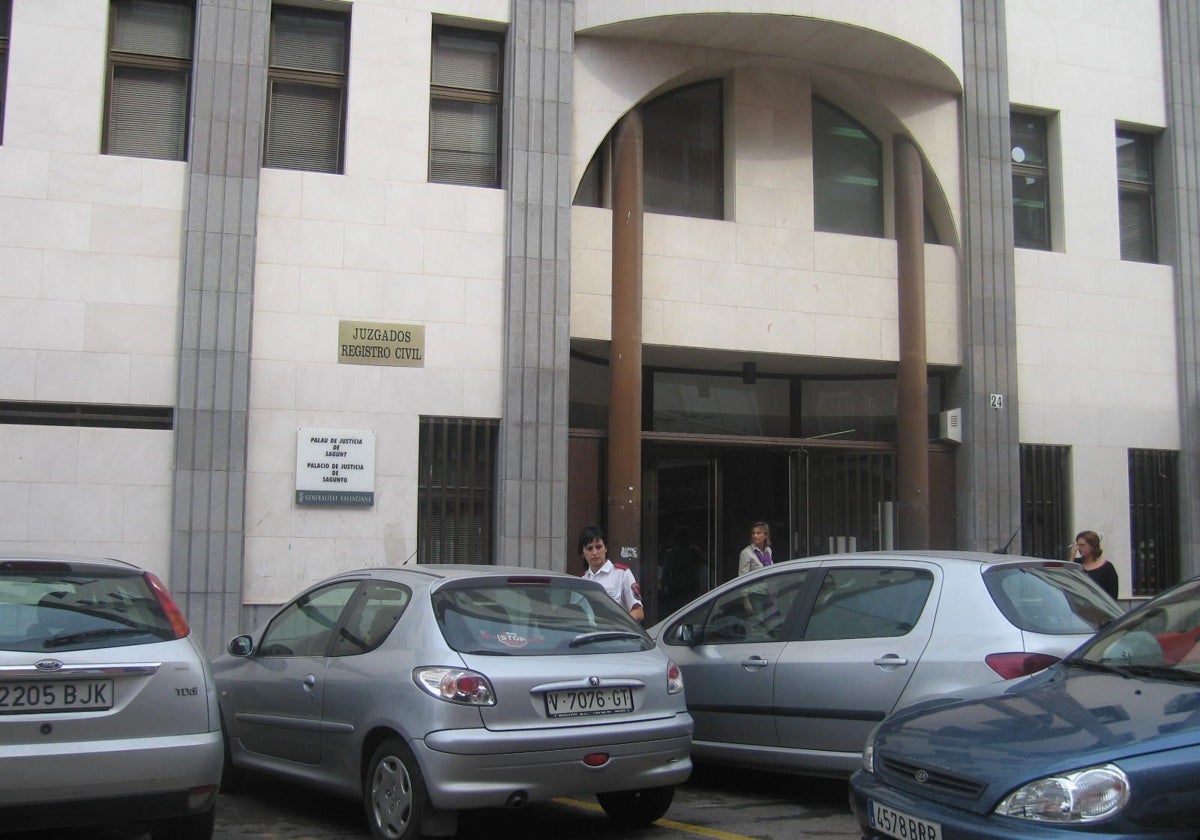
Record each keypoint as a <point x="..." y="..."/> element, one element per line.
<point x="306" y="626"/>
<point x="1153" y="519"/>
<point x="1044" y="501"/>
<point x="306" y="93"/>
<point x="86" y="414"/>
<point x="464" y="107"/>
<point x="682" y="151"/>
<point x="683" y="162"/>
<point x="149" y="81"/>
<point x="754" y="612"/>
<point x="868" y="603"/>
<point x="1135" y="194"/>
<point x="847" y="174"/>
<point x="374" y="611"/>
<point x="1030" y="181"/>
<point x="1054" y="600"/>
<point x="5" y="29"/>
<point x="455" y="490"/>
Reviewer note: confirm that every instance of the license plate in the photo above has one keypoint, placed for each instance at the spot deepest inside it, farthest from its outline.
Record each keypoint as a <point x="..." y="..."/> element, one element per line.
<point x="583" y="702"/>
<point x="900" y="825"/>
<point x="58" y="696"/>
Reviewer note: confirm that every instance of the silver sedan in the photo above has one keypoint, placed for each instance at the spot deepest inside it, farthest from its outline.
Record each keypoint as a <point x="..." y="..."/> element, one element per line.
<point x="427" y="689"/>
<point x="790" y="667"/>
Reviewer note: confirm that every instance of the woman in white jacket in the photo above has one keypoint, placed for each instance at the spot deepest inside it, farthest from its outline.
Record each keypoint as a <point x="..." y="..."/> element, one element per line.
<point x="758" y="553"/>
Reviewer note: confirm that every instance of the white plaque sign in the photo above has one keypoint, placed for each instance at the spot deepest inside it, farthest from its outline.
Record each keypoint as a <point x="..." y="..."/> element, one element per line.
<point x="335" y="467"/>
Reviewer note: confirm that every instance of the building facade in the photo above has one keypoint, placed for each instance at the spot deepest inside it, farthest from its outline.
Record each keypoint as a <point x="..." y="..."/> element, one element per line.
<point x="295" y="287"/>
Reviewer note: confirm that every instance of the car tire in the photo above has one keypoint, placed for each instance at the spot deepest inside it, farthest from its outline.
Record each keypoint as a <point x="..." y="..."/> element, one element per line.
<point x="192" y="827"/>
<point x="394" y="795"/>
<point x="635" y="808"/>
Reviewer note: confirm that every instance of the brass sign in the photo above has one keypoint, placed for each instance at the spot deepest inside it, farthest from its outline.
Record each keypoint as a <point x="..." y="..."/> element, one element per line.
<point x="367" y="343"/>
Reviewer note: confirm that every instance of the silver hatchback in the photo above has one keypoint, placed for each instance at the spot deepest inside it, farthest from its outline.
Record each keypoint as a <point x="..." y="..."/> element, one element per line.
<point x="427" y="689"/>
<point x="108" y="711"/>
<point x="790" y="667"/>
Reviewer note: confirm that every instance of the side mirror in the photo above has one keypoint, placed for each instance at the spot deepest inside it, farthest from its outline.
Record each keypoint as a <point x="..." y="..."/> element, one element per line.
<point x="241" y="646"/>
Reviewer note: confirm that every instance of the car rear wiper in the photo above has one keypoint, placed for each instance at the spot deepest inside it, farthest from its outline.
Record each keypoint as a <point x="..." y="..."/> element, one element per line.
<point x="1103" y="667"/>
<point x="1163" y="672"/>
<point x="603" y="636"/>
<point x="86" y="635"/>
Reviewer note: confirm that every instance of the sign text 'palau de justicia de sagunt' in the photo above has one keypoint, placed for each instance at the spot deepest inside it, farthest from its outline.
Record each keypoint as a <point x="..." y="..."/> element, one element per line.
<point x="366" y="343"/>
<point x="335" y="467"/>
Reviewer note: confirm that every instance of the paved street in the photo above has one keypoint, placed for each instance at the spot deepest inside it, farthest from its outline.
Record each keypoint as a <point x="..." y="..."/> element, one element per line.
<point x="718" y="803"/>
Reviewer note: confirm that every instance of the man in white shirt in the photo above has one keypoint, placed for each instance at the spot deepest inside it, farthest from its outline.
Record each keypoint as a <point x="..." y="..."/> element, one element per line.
<point x="617" y="579"/>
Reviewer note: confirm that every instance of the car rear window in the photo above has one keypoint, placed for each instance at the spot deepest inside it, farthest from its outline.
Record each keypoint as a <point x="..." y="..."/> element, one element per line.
<point x="534" y="616"/>
<point x="66" y="607"/>
<point x="1052" y="599"/>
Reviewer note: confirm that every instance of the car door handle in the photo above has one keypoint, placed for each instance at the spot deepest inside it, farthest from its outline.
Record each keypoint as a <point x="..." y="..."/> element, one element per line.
<point x="754" y="662"/>
<point x="891" y="660"/>
<point x="309" y="682"/>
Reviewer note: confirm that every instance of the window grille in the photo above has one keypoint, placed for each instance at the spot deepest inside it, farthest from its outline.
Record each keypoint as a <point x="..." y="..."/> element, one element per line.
<point x="1044" y="528"/>
<point x="149" y="81"/>
<point x="1153" y="520"/>
<point x="464" y="107"/>
<point x="456" y="490"/>
<point x="306" y="94"/>
<point x="1135" y="194"/>
<point x="86" y="414"/>
<point x="1030" y="181"/>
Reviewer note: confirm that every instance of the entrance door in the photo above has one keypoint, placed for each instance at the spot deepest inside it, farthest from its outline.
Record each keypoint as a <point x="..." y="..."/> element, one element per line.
<point x="685" y="528"/>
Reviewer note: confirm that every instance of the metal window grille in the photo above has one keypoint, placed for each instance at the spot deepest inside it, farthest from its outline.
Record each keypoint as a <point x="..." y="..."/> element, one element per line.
<point x="455" y="491"/>
<point x="1044" y="530"/>
<point x="1153" y="519"/>
<point x="848" y="499"/>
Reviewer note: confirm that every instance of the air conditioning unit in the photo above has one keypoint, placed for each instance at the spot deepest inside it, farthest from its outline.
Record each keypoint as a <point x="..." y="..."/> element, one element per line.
<point x="950" y="425"/>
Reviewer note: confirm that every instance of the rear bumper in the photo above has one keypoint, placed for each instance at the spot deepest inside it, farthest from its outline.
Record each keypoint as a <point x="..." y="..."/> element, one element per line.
<point x="461" y="774"/>
<point x="125" y="778"/>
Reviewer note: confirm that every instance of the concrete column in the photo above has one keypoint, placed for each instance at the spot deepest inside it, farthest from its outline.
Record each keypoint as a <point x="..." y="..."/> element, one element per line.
<point x="1178" y="197"/>
<point x="532" y="480"/>
<point x="220" y="232"/>
<point x="988" y="504"/>
<point x="912" y="386"/>
<point x="625" y="402"/>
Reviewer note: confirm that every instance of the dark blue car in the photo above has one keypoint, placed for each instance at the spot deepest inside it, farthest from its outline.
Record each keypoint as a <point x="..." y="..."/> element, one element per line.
<point x="1105" y="744"/>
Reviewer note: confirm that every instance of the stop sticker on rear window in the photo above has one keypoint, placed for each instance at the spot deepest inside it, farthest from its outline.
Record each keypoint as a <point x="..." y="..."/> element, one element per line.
<point x="514" y="640"/>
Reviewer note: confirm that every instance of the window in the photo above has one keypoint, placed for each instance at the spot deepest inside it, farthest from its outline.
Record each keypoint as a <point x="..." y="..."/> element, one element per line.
<point x="1030" y="181"/>
<point x="847" y="173"/>
<point x="683" y="163"/>
<point x="1044" y="501"/>
<point x="464" y="107"/>
<point x="868" y="603"/>
<point x="5" y="27"/>
<point x="1135" y="195"/>
<point x="754" y="612"/>
<point x="306" y="626"/>
<point x="373" y="613"/>
<point x="1153" y="520"/>
<point x="306" y="89"/>
<point x="682" y="152"/>
<point x="455" y="490"/>
<point x="149" y="78"/>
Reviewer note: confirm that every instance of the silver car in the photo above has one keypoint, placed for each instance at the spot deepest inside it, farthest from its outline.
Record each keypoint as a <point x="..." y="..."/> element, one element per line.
<point x="108" y="710"/>
<point x="790" y="667"/>
<point x="426" y="689"/>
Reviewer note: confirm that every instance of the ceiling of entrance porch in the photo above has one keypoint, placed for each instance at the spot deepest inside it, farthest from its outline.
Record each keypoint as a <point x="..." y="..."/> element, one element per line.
<point x="806" y="39"/>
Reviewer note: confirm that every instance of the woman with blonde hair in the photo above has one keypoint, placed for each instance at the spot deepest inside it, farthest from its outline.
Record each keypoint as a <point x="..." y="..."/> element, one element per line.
<point x="758" y="553"/>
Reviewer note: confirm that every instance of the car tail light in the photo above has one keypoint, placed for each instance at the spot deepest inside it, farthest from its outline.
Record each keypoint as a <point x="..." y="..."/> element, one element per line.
<point x="174" y="615"/>
<point x="456" y="685"/>
<point x="1020" y="664"/>
<point x="674" y="678"/>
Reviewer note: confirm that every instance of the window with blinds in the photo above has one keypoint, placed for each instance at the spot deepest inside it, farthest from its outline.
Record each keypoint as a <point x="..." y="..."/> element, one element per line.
<point x="1030" y="181"/>
<point x="1135" y="195"/>
<point x="5" y="25"/>
<point x="306" y="89"/>
<point x="149" y="78"/>
<point x="847" y="173"/>
<point x="456" y="490"/>
<point x="464" y="107"/>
